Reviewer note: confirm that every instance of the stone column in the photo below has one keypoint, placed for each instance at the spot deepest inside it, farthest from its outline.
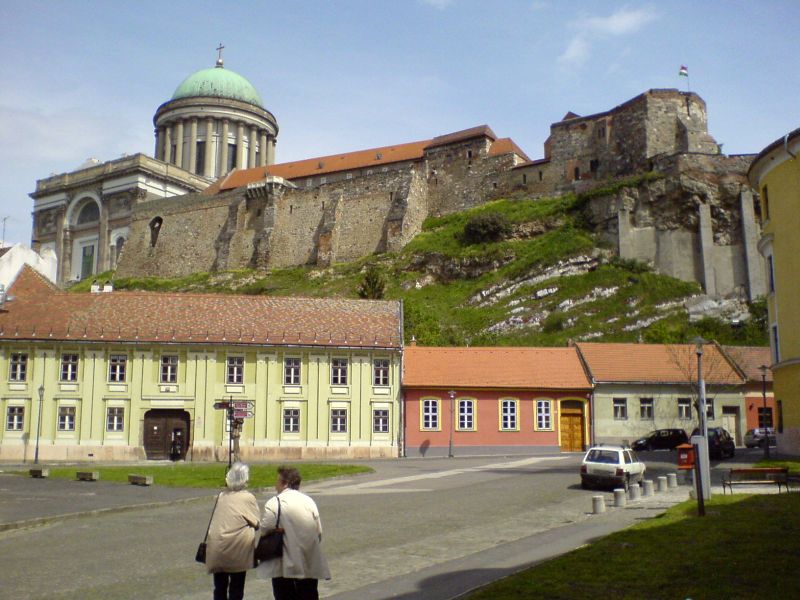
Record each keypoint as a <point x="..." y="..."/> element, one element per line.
<point x="240" y="158"/>
<point x="159" y="151"/>
<point x="60" y="235"/>
<point x="103" y="263"/>
<point x="754" y="264"/>
<point x="706" y="235"/>
<point x="167" y="157"/>
<point x="262" y="149"/>
<point x="208" y="167"/>
<point x="271" y="150"/>
<point x="179" y="144"/>
<point x="223" y="151"/>
<point x="251" y="149"/>
<point x="192" y="166"/>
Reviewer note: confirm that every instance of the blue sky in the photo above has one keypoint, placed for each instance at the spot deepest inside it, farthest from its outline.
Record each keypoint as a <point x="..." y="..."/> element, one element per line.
<point x="83" y="79"/>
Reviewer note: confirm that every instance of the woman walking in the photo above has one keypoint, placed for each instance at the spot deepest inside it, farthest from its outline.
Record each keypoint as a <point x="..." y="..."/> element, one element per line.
<point x="232" y="535"/>
<point x="295" y="574"/>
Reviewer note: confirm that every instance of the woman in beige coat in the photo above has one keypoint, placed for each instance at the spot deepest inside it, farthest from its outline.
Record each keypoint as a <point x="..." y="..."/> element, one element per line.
<point x="232" y="535"/>
<point x="294" y="575"/>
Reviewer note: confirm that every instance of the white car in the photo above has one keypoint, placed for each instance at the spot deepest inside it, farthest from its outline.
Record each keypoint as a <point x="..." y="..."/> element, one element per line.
<point x="616" y="466"/>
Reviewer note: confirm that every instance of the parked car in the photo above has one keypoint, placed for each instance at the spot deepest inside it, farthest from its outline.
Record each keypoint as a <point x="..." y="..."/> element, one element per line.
<point x="720" y="443"/>
<point x="616" y="466"/>
<point x="661" y="439"/>
<point x="755" y="437"/>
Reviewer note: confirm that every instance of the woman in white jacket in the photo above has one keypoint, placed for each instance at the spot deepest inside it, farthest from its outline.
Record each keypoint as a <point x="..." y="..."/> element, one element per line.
<point x="294" y="575"/>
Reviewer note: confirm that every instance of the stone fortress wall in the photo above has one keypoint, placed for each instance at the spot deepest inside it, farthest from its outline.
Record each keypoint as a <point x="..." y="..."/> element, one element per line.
<point x="696" y="224"/>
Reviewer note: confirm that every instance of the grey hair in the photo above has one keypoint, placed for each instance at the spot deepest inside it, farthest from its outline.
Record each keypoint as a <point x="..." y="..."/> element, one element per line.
<point x="238" y="476"/>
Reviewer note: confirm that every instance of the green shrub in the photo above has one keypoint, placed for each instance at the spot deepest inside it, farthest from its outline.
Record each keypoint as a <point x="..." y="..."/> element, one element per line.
<point x="373" y="285"/>
<point x="486" y="227"/>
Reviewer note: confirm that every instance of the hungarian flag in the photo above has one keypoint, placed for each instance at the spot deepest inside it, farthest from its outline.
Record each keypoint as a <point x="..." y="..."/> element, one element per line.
<point x="684" y="72"/>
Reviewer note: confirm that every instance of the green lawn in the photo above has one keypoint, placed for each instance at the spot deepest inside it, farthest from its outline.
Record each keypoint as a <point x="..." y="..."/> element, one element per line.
<point x="210" y="475"/>
<point x="743" y="548"/>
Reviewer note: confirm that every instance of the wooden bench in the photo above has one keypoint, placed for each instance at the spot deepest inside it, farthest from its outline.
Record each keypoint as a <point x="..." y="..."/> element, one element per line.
<point x="140" y="479"/>
<point x="757" y="476"/>
<point x="87" y="475"/>
<point x="39" y="473"/>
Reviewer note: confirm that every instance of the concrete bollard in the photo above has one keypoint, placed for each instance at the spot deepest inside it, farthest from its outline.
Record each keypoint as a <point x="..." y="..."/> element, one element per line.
<point x="662" y="484"/>
<point x="619" y="498"/>
<point x="672" y="480"/>
<point x="634" y="492"/>
<point x="598" y="504"/>
<point x="648" y="488"/>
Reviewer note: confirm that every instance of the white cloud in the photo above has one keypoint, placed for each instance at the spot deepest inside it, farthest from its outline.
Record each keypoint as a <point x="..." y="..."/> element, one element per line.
<point x="591" y="29"/>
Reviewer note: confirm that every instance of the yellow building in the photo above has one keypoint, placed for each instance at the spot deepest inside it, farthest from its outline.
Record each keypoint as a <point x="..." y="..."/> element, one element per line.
<point x="776" y="174"/>
<point x="120" y="375"/>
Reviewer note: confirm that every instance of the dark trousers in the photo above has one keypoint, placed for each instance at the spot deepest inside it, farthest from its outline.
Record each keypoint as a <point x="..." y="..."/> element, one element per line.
<point x="229" y="586"/>
<point x="284" y="588"/>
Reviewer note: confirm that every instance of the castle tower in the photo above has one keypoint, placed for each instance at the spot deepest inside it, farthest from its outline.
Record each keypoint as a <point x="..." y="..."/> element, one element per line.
<point x="215" y="122"/>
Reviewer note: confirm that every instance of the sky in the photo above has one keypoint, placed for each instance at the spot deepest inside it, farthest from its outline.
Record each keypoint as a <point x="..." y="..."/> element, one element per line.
<point x="81" y="79"/>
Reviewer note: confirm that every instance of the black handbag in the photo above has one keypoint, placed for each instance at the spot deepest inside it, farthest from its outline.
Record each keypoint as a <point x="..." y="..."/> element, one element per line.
<point x="200" y="555"/>
<point x="270" y="545"/>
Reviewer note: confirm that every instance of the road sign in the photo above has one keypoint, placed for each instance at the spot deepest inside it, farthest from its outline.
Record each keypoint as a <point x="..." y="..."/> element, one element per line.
<point x="242" y="414"/>
<point x="242" y="404"/>
<point x="222" y="405"/>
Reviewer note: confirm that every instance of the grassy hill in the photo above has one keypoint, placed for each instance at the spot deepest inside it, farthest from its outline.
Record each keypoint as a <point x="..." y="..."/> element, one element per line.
<point x="519" y="271"/>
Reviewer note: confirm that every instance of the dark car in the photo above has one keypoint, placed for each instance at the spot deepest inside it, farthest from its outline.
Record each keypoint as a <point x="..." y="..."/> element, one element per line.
<point x="756" y="437"/>
<point x="661" y="439"/>
<point x="720" y="443"/>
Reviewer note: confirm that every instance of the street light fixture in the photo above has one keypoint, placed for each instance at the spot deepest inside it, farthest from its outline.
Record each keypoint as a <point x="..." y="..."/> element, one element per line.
<point x="764" y="369"/>
<point x="702" y="470"/>
<point x="452" y="395"/>
<point x="39" y="425"/>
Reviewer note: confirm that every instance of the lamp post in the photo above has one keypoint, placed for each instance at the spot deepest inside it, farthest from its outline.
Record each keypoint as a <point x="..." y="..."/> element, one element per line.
<point x="701" y="445"/>
<point x="763" y="369"/>
<point x="39" y="425"/>
<point x="452" y="395"/>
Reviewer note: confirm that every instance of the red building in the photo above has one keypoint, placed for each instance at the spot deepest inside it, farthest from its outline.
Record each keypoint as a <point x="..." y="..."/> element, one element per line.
<point x="469" y="401"/>
<point x="749" y="360"/>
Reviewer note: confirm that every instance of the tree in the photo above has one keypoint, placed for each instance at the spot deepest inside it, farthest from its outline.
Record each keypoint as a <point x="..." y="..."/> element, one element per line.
<point x="373" y="285"/>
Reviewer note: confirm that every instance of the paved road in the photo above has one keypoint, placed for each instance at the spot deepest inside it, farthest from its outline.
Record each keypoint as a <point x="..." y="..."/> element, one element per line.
<point x="412" y="523"/>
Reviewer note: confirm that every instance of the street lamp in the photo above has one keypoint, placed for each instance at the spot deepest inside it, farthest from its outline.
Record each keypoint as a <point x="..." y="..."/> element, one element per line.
<point x="699" y="342"/>
<point x="452" y="395"/>
<point x="763" y="369"/>
<point x="39" y="425"/>
<point x="703" y="469"/>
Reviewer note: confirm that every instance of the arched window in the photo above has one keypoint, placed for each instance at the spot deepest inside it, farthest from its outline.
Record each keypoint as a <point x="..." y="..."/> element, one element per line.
<point x="155" y="227"/>
<point x="90" y="213"/>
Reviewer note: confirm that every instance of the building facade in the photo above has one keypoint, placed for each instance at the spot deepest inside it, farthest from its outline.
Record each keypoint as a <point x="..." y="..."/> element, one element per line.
<point x="123" y="376"/>
<point x="776" y="174"/>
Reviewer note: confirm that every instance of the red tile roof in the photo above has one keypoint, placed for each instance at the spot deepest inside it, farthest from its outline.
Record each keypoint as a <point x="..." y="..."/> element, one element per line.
<point x="507" y="368"/>
<point x="40" y="311"/>
<point x="656" y="363"/>
<point x="749" y="359"/>
<point x="507" y="146"/>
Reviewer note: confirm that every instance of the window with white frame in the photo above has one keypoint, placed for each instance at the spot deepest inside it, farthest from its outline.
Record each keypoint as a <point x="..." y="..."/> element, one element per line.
<point x="620" y="409"/>
<point x="380" y="371"/>
<point x="380" y="420"/>
<point x="544" y="414"/>
<point x="508" y="415"/>
<point x="430" y="414"/>
<point x="291" y="420"/>
<point x="15" y="418"/>
<point x="69" y="367"/>
<point x="338" y="420"/>
<point x="646" y="409"/>
<point x="169" y="368"/>
<point x="710" y="408"/>
<point x="235" y="370"/>
<point x="466" y="414"/>
<point x="66" y="418"/>
<point x="339" y="371"/>
<point x="291" y="371"/>
<point x="117" y="364"/>
<point x="115" y="419"/>
<point x="684" y="409"/>
<point x="18" y="370"/>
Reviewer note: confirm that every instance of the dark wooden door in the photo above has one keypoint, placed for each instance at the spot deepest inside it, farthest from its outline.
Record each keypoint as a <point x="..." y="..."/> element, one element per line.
<point x="166" y="434"/>
<point x="571" y="425"/>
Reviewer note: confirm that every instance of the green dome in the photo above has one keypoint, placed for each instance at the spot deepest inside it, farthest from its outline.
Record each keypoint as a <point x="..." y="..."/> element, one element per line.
<point x="218" y="82"/>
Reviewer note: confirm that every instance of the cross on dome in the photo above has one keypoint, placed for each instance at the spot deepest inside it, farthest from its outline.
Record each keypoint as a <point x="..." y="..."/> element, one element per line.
<point x="220" y="48"/>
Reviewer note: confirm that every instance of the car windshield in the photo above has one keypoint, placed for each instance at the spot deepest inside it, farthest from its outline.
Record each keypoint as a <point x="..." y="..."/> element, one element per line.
<point x="603" y="456"/>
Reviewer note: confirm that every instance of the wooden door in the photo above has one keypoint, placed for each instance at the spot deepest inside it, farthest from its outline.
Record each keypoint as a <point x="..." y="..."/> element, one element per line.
<point x="571" y="424"/>
<point x="166" y="434"/>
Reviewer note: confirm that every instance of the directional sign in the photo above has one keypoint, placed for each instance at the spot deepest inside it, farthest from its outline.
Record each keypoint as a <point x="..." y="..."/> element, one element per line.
<point x="242" y="414"/>
<point x="222" y="405"/>
<point x="242" y="405"/>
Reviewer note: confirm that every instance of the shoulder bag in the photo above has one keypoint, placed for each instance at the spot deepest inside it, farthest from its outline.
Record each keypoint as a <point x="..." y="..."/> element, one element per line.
<point x="270" y="545"/>
<point x="200" y="555"/>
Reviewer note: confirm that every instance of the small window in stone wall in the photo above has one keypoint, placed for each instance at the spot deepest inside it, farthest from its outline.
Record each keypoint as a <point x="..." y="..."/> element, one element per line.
<point x="469" y="154"/>
<point x="541" y="175"/>
<point x="155" y="228"/>
<point x="524" y="178"/>
<point x="200" y="157"/>
<point x="594" y="164"/>
<point x="577" y="173"/>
